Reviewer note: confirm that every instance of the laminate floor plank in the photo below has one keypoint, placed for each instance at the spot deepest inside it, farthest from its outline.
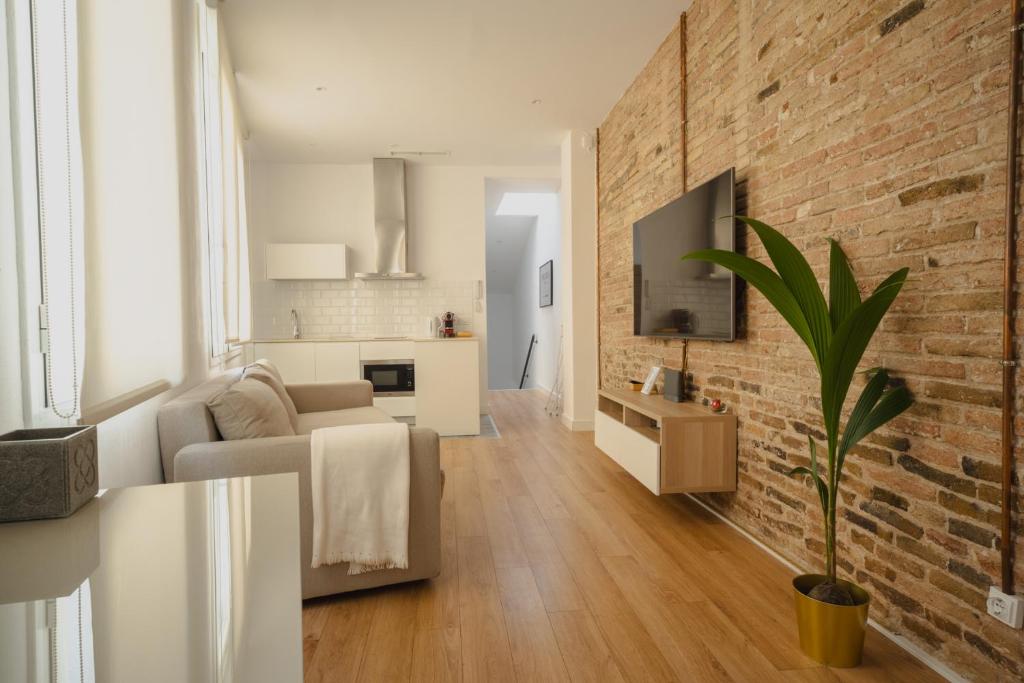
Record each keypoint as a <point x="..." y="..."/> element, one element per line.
<point x="437" y="656"/>
<point x="339" y="652"/>
<point x="584" y="650"/>
<point x="388" y="655"/>
<point x="534" y="648"/>
<point x="485" y="646"/>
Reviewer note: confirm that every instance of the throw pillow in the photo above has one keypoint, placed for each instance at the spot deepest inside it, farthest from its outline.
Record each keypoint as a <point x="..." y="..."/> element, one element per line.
<point x="249" y="409"/>
<point x="260" y="372"/>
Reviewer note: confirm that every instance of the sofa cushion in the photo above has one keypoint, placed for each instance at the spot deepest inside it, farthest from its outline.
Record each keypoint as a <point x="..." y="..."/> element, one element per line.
<point x="264" y="374"/>
<point x="249" y="409"/>
<point x="336" y="418"/>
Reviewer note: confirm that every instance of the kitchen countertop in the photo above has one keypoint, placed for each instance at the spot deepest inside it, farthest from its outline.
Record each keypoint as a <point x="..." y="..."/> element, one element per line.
<point x="360" y="339"/>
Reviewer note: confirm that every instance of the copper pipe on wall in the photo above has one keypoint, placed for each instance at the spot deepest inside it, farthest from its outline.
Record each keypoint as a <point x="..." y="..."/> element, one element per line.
<point x="682" y="101"/>
<point x="1009" y="363"/>
<point x="683" y="365"/>
<point x="597" y="219"/>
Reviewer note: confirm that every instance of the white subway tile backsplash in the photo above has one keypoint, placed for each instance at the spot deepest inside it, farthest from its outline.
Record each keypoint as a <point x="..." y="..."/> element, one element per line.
<point x="358" y="307"/>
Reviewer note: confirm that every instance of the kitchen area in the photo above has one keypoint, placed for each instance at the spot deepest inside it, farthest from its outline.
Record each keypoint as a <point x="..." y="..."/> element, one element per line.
<point x="336" y="296"/>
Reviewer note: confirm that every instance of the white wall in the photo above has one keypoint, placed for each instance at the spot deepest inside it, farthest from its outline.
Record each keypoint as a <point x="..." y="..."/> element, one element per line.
<point x="506" y="348"/>
<point x="334" y="203"/>
<point x="579" y="278"/>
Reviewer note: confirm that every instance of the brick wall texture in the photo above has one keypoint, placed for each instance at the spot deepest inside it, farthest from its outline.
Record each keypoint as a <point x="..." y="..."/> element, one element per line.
<point x="881" y="124"/>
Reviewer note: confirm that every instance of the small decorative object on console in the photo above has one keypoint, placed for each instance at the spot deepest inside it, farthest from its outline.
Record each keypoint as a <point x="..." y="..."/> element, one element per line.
<point x="716" y="404"/>
<point x="675" y="390"/>
<point x="46" y="473"/>
<point x="635" y="385"/>
<point x="652" y="377"/>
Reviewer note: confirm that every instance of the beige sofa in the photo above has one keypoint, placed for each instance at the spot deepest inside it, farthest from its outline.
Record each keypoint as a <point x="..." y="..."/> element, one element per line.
<point x="192" y="449"/>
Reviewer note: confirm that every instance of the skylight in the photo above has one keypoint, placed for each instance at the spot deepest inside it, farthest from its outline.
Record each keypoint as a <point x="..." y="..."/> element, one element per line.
<point x="525" y="203"/>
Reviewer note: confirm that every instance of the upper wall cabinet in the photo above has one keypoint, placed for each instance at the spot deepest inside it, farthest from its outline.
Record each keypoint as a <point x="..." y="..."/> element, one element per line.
<point x="307" y="262"/>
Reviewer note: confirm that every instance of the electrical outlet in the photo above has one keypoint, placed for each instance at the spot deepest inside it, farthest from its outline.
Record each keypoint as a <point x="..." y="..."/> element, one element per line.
<point x="1008" y="609"/>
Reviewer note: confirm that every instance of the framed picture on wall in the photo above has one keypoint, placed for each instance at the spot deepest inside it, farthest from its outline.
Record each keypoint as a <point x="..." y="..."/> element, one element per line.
<point x="546" y="292"/>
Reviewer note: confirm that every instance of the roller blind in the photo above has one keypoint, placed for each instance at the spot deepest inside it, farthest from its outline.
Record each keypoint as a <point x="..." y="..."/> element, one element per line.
<point x="141" y="317"/>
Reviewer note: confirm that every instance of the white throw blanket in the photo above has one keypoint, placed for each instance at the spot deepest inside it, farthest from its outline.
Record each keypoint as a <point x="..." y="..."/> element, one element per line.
<point x="360" y="481"/>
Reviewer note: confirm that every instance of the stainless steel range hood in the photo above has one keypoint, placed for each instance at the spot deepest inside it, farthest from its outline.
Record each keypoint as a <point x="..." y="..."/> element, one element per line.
<point x="389" y="223"/>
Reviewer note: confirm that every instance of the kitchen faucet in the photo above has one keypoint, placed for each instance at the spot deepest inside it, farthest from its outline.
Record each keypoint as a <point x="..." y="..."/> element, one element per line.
<point x="296" y="334"/>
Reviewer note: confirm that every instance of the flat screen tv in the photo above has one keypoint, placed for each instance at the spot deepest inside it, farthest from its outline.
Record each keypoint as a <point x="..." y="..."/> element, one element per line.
<point x="686" y="299"/>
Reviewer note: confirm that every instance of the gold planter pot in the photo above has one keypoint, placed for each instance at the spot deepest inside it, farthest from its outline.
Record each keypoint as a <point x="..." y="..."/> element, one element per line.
<point x="830" y="634"/>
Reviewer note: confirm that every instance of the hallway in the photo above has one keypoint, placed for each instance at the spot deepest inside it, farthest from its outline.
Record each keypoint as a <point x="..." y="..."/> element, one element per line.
<point x="559" y="566"/>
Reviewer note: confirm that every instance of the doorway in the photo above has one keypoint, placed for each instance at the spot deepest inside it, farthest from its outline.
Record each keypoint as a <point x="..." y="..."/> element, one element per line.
<point x="523" y="253"/>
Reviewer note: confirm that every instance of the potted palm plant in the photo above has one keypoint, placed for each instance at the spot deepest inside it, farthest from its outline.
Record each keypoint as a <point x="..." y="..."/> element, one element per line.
<point x="831" y="612"/>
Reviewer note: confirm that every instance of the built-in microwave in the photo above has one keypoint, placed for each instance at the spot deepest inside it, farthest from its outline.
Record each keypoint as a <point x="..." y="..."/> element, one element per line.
<point x="390" y="377"/>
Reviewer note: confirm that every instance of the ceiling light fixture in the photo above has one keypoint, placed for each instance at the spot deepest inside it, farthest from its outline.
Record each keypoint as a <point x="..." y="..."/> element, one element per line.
<point x="537" y="101"/>
<point x="321" y="88"/>
<point x="418" y="153"/>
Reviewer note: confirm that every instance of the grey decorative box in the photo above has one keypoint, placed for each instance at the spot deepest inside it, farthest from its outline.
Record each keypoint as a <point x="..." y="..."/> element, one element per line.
<point x="47" y="473"/>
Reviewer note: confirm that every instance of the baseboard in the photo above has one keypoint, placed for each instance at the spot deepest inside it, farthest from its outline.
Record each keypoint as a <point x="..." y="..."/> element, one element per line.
<point x="577" y="425"/>
<point x="908" y="646"/>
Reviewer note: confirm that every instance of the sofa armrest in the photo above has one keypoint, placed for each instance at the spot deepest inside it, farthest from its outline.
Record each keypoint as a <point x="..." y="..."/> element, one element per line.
<point x="319" y="397"/>
<point x="242" y="457"/>
<point x="425" y="460"/>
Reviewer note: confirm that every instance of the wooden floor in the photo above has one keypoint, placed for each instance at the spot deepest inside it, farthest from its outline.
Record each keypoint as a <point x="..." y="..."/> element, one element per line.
<point x="560" y="567"/>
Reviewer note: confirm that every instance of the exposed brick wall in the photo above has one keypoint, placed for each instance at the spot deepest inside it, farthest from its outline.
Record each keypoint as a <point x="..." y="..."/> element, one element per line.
<point x="881" y="124"/>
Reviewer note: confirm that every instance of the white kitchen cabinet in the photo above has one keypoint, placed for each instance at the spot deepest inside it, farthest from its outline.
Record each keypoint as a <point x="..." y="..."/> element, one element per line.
<point x="307" y="261"/>
<point x="396" y="406"/>
<point x="336" y="361"/>
<point x="447" y="387"/>
<point x="295" y="361"/>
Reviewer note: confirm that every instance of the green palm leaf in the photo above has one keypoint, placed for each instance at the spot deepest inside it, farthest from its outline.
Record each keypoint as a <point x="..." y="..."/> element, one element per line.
<point x="765" y="281"/>
<point x="843" y="295"/>
<point x="794" y="270"/>
<point x="837" y="334"/>
<point x="848" y="345"/>
<point x="819" y="484"/>
<point x="869" y="396"/>
<point x="892" y="403"/>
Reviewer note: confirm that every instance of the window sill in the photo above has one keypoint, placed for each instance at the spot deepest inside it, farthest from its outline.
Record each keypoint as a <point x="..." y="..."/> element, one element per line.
<point x="235" y="351"/>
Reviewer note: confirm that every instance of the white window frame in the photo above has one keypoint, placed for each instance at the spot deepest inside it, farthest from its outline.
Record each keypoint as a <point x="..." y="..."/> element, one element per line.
<point x="222" y="211"/>
<point x="208" y="165"/>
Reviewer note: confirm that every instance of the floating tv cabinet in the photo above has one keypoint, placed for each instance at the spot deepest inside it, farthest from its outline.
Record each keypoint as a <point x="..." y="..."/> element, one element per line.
<point x="668" y="447"/>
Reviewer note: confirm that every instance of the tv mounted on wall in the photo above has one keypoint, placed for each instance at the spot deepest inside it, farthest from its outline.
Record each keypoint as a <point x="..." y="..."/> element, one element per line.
<point x="686" y="299"/>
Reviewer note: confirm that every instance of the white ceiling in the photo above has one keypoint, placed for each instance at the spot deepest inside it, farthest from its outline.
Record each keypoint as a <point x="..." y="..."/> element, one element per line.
<point x="507" y="235"/>
<point x="452" y="75"/>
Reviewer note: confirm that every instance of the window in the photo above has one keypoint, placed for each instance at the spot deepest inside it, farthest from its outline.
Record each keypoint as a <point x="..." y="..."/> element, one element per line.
<point x="222" y="191"/>
<point x="48" y="166"/>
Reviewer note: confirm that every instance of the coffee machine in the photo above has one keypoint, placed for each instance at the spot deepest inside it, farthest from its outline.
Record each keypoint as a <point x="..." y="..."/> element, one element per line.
<point x="447" y="325"/>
